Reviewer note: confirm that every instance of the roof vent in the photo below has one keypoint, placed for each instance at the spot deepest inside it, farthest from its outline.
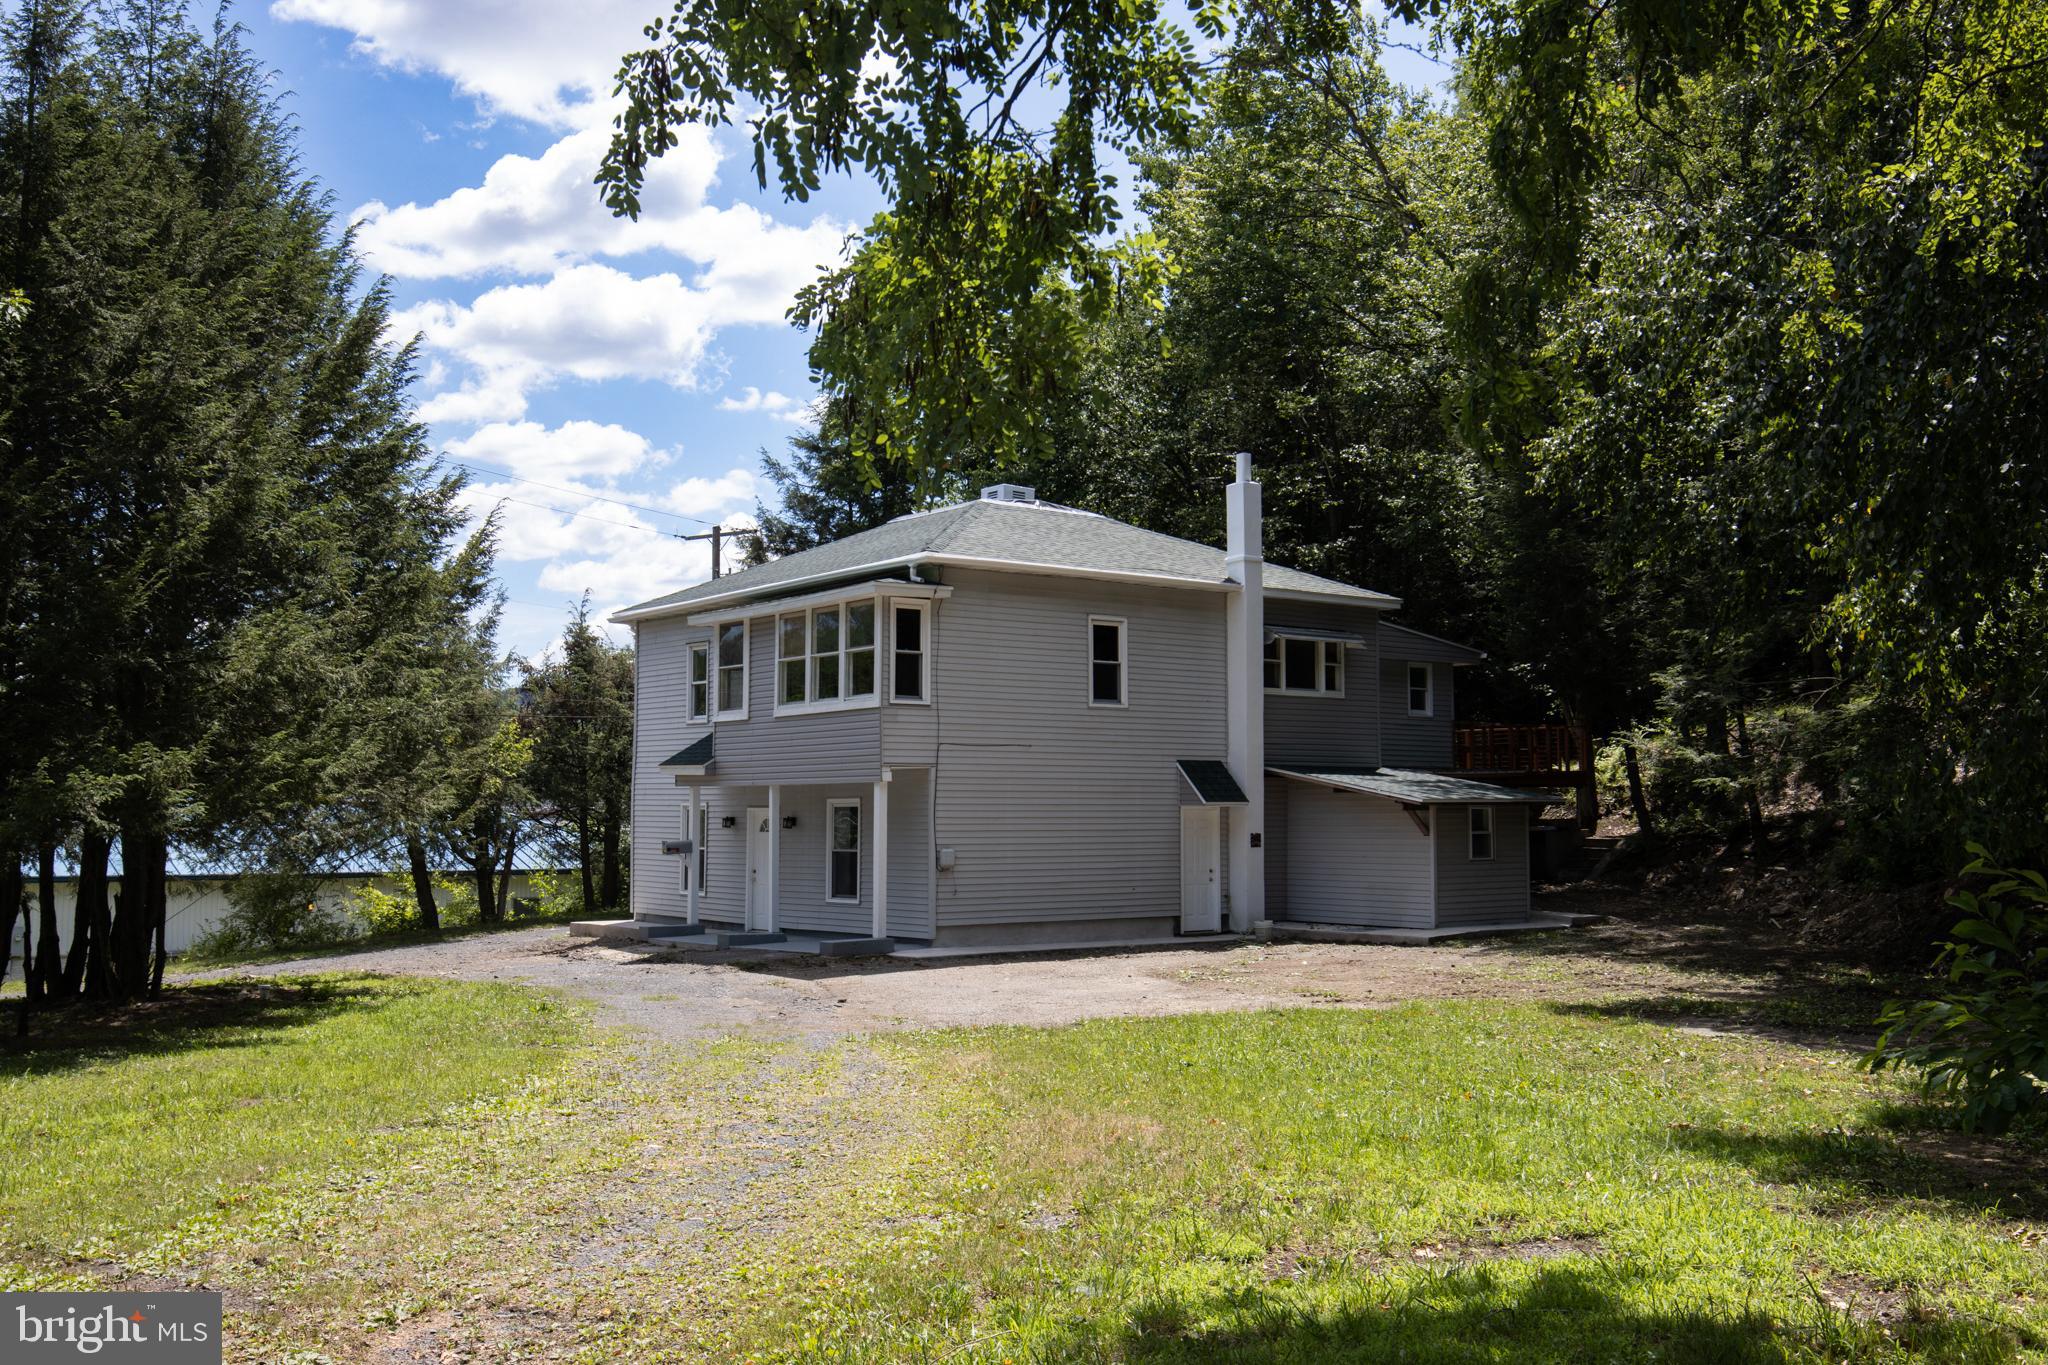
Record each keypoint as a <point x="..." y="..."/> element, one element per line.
<point x="1009" y="492"/>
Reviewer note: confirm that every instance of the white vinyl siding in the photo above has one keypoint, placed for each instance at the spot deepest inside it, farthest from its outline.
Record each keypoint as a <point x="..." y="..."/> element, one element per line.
<point x="1354" y="860"/>
<point x="1306" y="729"/>
<point x="1483" y="891"/>
<point x="1059" y="810"/>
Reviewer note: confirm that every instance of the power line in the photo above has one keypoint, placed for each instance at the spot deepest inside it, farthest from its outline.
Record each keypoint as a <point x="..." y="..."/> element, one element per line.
<point x="629" y="525"/>
<point x="577" y="492"/>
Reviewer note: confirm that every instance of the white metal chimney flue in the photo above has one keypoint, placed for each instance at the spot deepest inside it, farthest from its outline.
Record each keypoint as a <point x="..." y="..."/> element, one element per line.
<point x="1245" y="659"/>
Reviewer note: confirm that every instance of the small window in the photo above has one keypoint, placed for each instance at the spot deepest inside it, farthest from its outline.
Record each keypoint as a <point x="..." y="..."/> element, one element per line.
<point x="842" y="870"/>
<point x="792" y="660"/>
<point x="1297" y="663"/>
<point x="1482" y="832"/>
<point x="1106" y="662"/>
<point x="1421" y="690"/>
<point x="825" y="654"/>
<point x="698" y="858"/>
<point x="907" y="682"/>
<point x="860" y="649"/>
<point x="732" y="668"/>
<point x="700" y="681"/>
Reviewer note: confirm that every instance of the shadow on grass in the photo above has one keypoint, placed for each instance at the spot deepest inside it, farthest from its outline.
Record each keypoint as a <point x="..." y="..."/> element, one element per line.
<point x="1561" y="1314"/>
<point x="211" y="1014"/>
<point x="1756" y="1015"/>
<point x="195" y="964"/>
<point x="1973" y="1175"/>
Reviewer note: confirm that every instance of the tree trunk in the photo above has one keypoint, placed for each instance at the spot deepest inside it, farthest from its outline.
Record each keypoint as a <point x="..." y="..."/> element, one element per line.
<point x="505" y="875"/>
<point x="609" y="890"/>
<point x="1637" y="801"/>
<point x="128" y="961"/>
<point x="1754" y="806"/>
<point x="583" y="851"/>
<point x="159" y="909"/>
<point x="86" y="968"/>
<point x="49" y="977"/>
<point x="30" y="990"/>
<point x="481" y="863"/>
<point x="422" y="883"/>
<point x="12" y="886"/>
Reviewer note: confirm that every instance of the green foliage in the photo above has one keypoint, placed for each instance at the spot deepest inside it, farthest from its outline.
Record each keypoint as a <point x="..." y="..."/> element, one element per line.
<point x="386" y="912"/>
<point x="273" y="910"/>
<point x="577" y="715"/>
<point x="1983" y="1042"/>
<point x="555" y="897"/>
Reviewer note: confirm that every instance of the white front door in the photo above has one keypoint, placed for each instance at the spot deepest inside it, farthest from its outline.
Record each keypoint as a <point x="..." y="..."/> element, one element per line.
<point x="757" y="867"/>
<point x="1201" y="873"/>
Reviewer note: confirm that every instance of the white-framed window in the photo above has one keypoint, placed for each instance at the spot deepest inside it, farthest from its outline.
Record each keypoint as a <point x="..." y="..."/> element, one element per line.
<point x="911" y="650"/>
<point x="732" y="669"/>
<point x="696" y="863"/>
<point x="1107" y="661"/>
<point x="700" y="681"/>
<point x="1421" y="690"/>
<point x="825" y="657"/>
<point x="792" y="660"/>
<point x="1480" y="824"/>
<point x="842" y="850"/>
<point x="1296" y="663"/>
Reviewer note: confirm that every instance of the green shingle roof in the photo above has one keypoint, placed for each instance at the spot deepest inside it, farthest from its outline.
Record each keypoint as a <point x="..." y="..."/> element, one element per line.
<point x="695" y="756"/>
<point x="999" y="533"/>
<point x="1414" y="788"/>
<point x="1212" y="782"/>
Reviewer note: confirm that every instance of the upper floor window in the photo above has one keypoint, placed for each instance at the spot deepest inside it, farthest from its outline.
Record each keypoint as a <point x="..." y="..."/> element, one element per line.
<point x="700" y="681"/>
<point x="911" y="651"/>
<point x="732" y="669"/>
<point x="1421" y="690"/>
<point x="1106" y="662"/>
<point x="825" y="655"/>
<point x="1481" y="827"/>
<point x="1296" y="663"/>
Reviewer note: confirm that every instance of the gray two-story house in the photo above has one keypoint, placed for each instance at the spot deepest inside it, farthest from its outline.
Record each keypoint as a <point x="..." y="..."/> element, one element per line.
<point x="1008" y="722"/>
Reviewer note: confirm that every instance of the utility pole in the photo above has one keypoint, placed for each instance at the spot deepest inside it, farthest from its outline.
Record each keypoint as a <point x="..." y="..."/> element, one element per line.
<point x="716" y="535"/>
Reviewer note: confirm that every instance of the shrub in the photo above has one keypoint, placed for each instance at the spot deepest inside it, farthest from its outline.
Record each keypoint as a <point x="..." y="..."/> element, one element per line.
<point x="555" y="896"/>
<point x="1983" y="1042"/>
<point x="387" y="912"/>
<point x="271" y="910"/>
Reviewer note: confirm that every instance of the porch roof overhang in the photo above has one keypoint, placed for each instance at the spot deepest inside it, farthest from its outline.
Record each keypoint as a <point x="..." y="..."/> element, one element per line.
<point x="1210" y="780"/>
<point x="693" y="761"/>
<point x="1414" y="788"/>
<point x="867" y="587"/>
<point x="1342" y="637"/>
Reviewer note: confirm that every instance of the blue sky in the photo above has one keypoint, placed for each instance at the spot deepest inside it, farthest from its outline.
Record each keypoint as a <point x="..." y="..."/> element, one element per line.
<point x="609" y="385"/>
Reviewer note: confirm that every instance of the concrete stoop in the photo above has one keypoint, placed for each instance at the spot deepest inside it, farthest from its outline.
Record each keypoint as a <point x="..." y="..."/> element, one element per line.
<point x="1287" y="931"/>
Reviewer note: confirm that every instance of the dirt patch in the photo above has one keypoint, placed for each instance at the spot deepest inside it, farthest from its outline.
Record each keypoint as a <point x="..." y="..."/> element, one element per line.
<point x="1870" y="1302"/>
<point x="1292" y="1262"/>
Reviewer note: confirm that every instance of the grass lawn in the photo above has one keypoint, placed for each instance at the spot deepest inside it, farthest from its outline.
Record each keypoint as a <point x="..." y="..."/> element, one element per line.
<point x="376" y="1169"/>
<point x="160" y="1121"/>
<point x="1455" y="1182"/>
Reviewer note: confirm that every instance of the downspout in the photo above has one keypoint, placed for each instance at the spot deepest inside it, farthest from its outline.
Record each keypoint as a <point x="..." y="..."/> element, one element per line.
<point x="1245" y="656"/>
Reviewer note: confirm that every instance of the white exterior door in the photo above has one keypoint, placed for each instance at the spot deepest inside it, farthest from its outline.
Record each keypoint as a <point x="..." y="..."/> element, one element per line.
<point x="757" y="867"/>
<point x="1201" y="873"/>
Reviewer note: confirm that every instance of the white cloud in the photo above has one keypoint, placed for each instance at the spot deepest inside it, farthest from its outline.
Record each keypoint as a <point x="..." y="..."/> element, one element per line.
<point x="577" y="451"/>
<point x="534" y="59"/>
<point x="588" y="322"/>
<point x="777" y="405"/>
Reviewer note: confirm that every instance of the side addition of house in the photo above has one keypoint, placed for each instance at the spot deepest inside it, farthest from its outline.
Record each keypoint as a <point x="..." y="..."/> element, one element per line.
<point x="1008" y="722"/>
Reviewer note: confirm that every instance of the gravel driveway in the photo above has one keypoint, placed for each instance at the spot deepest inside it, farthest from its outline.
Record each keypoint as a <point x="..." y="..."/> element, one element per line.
<point x="694" y="995"/>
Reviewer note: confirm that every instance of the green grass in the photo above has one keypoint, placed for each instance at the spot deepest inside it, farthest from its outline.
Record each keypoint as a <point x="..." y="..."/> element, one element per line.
<point x="1456" y="1182"/>
<point x="197" y="960"/>
<point x="222" y="1093"/>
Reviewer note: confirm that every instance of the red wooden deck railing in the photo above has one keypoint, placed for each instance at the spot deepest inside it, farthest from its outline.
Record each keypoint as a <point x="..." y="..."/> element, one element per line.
<point x="1527" y="750"/>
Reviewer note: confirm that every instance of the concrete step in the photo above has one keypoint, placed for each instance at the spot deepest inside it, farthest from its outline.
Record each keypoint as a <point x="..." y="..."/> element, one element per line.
<point x="744" y="938"/>
<point x="856" y="947"/>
